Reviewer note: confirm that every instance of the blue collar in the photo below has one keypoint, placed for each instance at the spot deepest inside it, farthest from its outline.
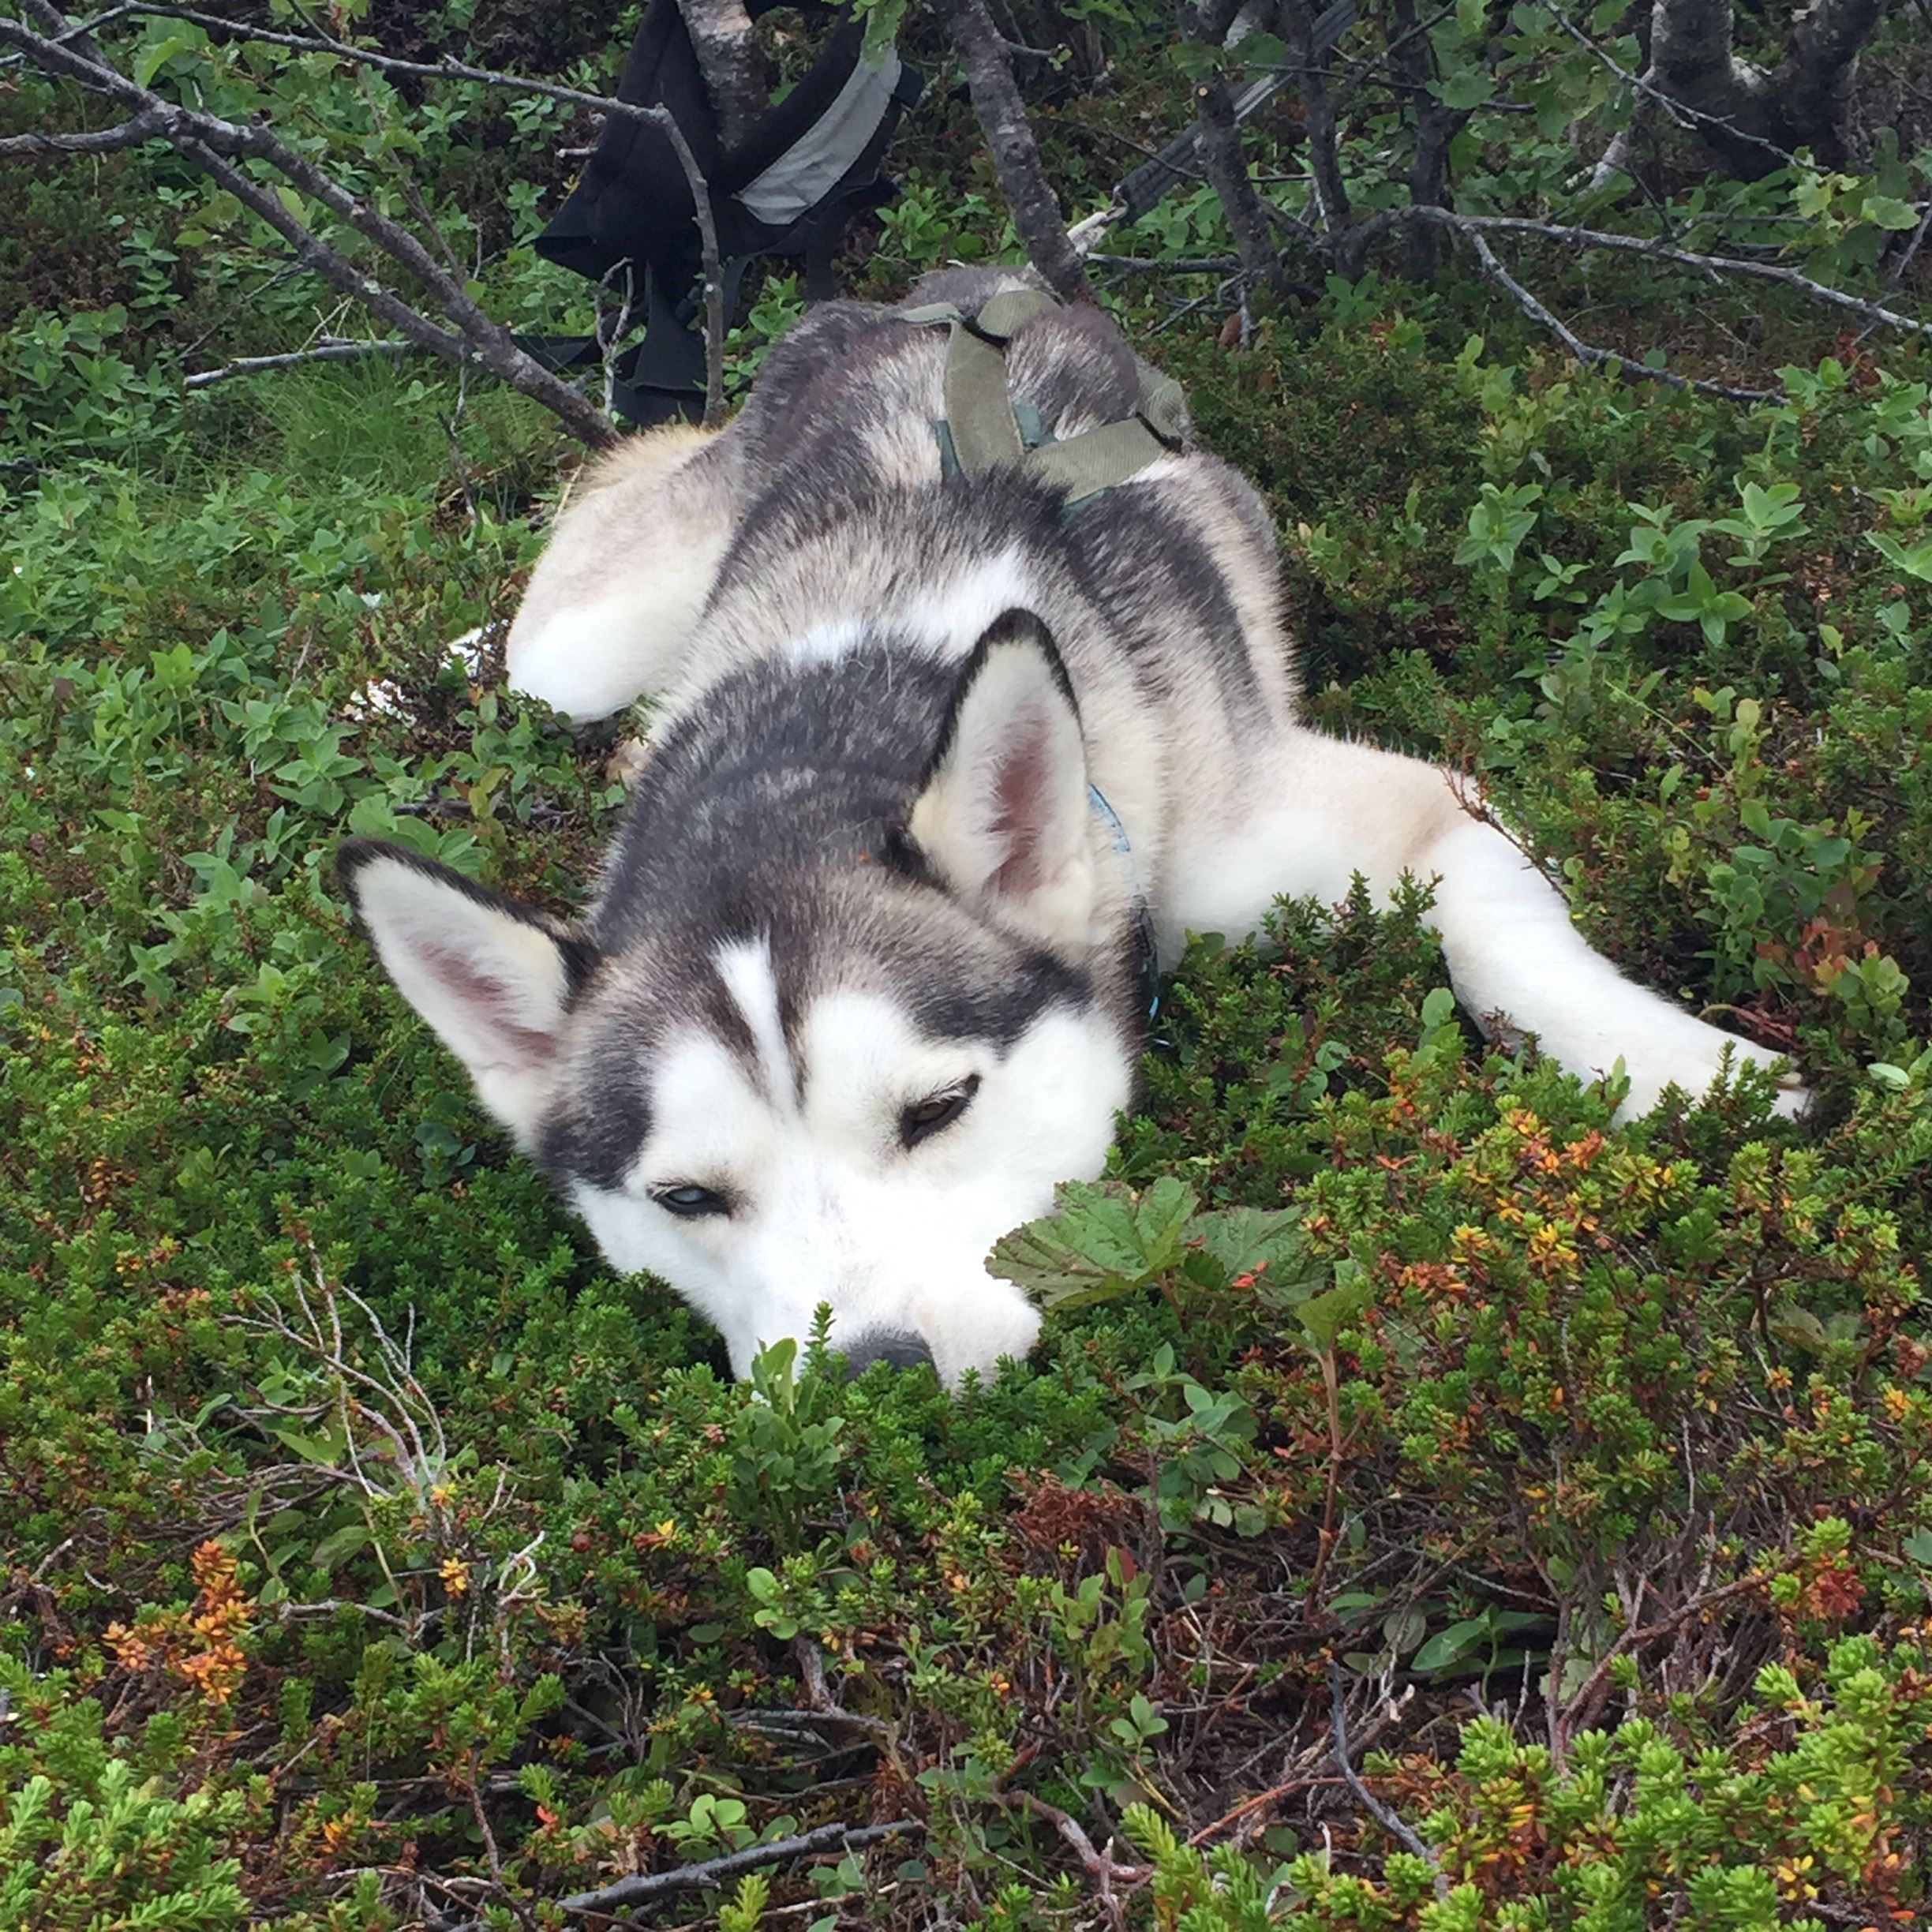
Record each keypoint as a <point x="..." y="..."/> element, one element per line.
<point x="1147" y="958"/>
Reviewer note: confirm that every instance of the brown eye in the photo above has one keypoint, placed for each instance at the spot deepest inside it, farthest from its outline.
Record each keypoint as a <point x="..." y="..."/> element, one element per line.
<point x="927" y="1118"/>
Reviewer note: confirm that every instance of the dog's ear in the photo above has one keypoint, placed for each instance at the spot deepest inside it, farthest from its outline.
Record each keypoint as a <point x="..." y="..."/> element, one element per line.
<point x="1003" y="814"/>
<point x="493" y="977"/>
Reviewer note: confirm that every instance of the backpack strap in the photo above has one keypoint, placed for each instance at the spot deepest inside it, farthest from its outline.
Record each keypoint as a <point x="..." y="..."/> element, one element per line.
<point x="984" y="428"/>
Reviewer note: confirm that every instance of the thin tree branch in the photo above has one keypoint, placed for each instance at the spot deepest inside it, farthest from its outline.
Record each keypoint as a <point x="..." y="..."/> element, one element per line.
<point x="57" y="22"/>
<point x="1227" y="171"/>
<point x="1009" y="140"/>
<point x="625" y="1893"/>
<point x="330" y="351"/>
<point x="1582" y="1709"/>
<point x="1896" y="273"/>
<point x="1587" y="353"/>
<point x="1147" y="264"/>
<point x="1106" y="1869"/>
<point x="1299" y="29"/>
<point x="1657" y="251"/>
<point x="129" y="133"/>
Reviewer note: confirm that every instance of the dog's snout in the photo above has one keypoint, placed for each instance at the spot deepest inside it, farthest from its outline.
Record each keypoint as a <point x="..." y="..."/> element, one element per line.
<point x="885" y="1344"/>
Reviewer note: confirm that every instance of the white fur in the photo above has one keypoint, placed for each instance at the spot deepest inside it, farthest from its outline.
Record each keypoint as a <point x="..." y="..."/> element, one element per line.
<point x="629" y="566"/>
<point x="831" y="1207"/>
<point x="745" y="966"/>
<point x="591" y="662"/>
<point x="493" y="986"/>
<point x="1518" y="964"/>
<point x="949" y="618"/>
<point x="827" y="643"/>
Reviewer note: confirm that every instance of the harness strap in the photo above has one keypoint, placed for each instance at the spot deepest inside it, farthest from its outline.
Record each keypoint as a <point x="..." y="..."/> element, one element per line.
<point x="977" y="411"/>
<point x="1147" y="957"/>
<point x="984" y="428"/>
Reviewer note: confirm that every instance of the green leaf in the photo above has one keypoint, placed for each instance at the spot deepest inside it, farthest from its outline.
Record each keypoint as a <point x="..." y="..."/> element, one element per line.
<point x="1323" y="1315"/>
<point x="340" y="1545"/>
<point x="1466" y="90"/>
<point x="1916" y="562"/>
<point x="1265" y="1243"/>
<point x="1446" y="1646"/>
<point x="1883" y="211"/>
<point x="1104" y="1243"/>
<point x="159" y="52"/>
<point x="322" y="1450"/>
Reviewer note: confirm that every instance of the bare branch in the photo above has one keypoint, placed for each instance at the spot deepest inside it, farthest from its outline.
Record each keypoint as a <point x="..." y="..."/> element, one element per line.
<point x="1658" y="251"/>
<point x="1585" y="353"/>
<point x="1390" y="1822"/>
<point x="1177" y="161"/>
<point x="1016" y="155"/>
<point x="627" y="1893"/>
<point x="1298" y="28"/>
<point x="130" y="133"/>
<point x="1107" y="1870"/>
<point x="328" y="351"/>
<point x="1147" y="264"/>
<point x="58" y="24"/>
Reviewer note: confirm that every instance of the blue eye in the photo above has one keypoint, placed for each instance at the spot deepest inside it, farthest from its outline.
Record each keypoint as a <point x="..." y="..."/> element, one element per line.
<point x="690" y="1202"/>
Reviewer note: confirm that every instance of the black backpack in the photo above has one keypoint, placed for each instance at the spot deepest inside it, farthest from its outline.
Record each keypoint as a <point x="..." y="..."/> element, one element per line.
<point x="789" y="188"/>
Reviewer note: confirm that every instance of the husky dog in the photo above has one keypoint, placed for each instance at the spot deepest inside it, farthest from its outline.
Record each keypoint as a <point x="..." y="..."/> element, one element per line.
<point x="944" y="765"/>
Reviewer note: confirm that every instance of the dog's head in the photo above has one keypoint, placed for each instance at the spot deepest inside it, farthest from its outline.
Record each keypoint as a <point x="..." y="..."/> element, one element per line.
<point x="833" y="1082"/>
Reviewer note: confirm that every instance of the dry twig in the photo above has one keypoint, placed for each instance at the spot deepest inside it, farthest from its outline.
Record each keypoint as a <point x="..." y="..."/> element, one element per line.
<point x="624" y="1894"/>
<point x="1395" y="1825"/>
<point x="328" y="351"/>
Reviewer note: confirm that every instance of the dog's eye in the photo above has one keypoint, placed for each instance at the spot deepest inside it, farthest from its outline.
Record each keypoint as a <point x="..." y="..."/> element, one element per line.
<point x="925" y="1118"/>
<point x="690" y="1202"/>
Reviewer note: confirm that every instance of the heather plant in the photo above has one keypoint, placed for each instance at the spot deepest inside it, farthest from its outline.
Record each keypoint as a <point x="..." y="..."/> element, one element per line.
<point x="1431" y="1506"/>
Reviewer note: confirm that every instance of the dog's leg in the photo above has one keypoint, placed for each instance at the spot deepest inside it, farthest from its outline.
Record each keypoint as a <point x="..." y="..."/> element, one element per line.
<point x="614" y="597"/>
<point x="1518" y="964"/>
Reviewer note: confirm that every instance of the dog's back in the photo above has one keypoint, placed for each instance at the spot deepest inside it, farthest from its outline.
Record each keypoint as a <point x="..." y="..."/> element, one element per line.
<point x="828" y="500"/>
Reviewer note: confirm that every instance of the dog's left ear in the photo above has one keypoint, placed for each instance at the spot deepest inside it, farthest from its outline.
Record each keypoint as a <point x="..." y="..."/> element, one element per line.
<point x="1002" y="815"/>
<point x="493" y="976"/>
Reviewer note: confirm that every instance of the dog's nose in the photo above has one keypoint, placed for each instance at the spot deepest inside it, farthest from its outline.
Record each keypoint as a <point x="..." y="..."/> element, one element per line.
<point x="885" y="1344"/>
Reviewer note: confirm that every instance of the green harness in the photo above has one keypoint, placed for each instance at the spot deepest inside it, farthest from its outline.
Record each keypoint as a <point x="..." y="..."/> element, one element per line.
<point x="985" y="428"/>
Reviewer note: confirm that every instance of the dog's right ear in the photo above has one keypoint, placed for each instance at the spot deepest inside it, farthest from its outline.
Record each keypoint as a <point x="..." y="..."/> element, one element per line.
<point x="493" y="977"/>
